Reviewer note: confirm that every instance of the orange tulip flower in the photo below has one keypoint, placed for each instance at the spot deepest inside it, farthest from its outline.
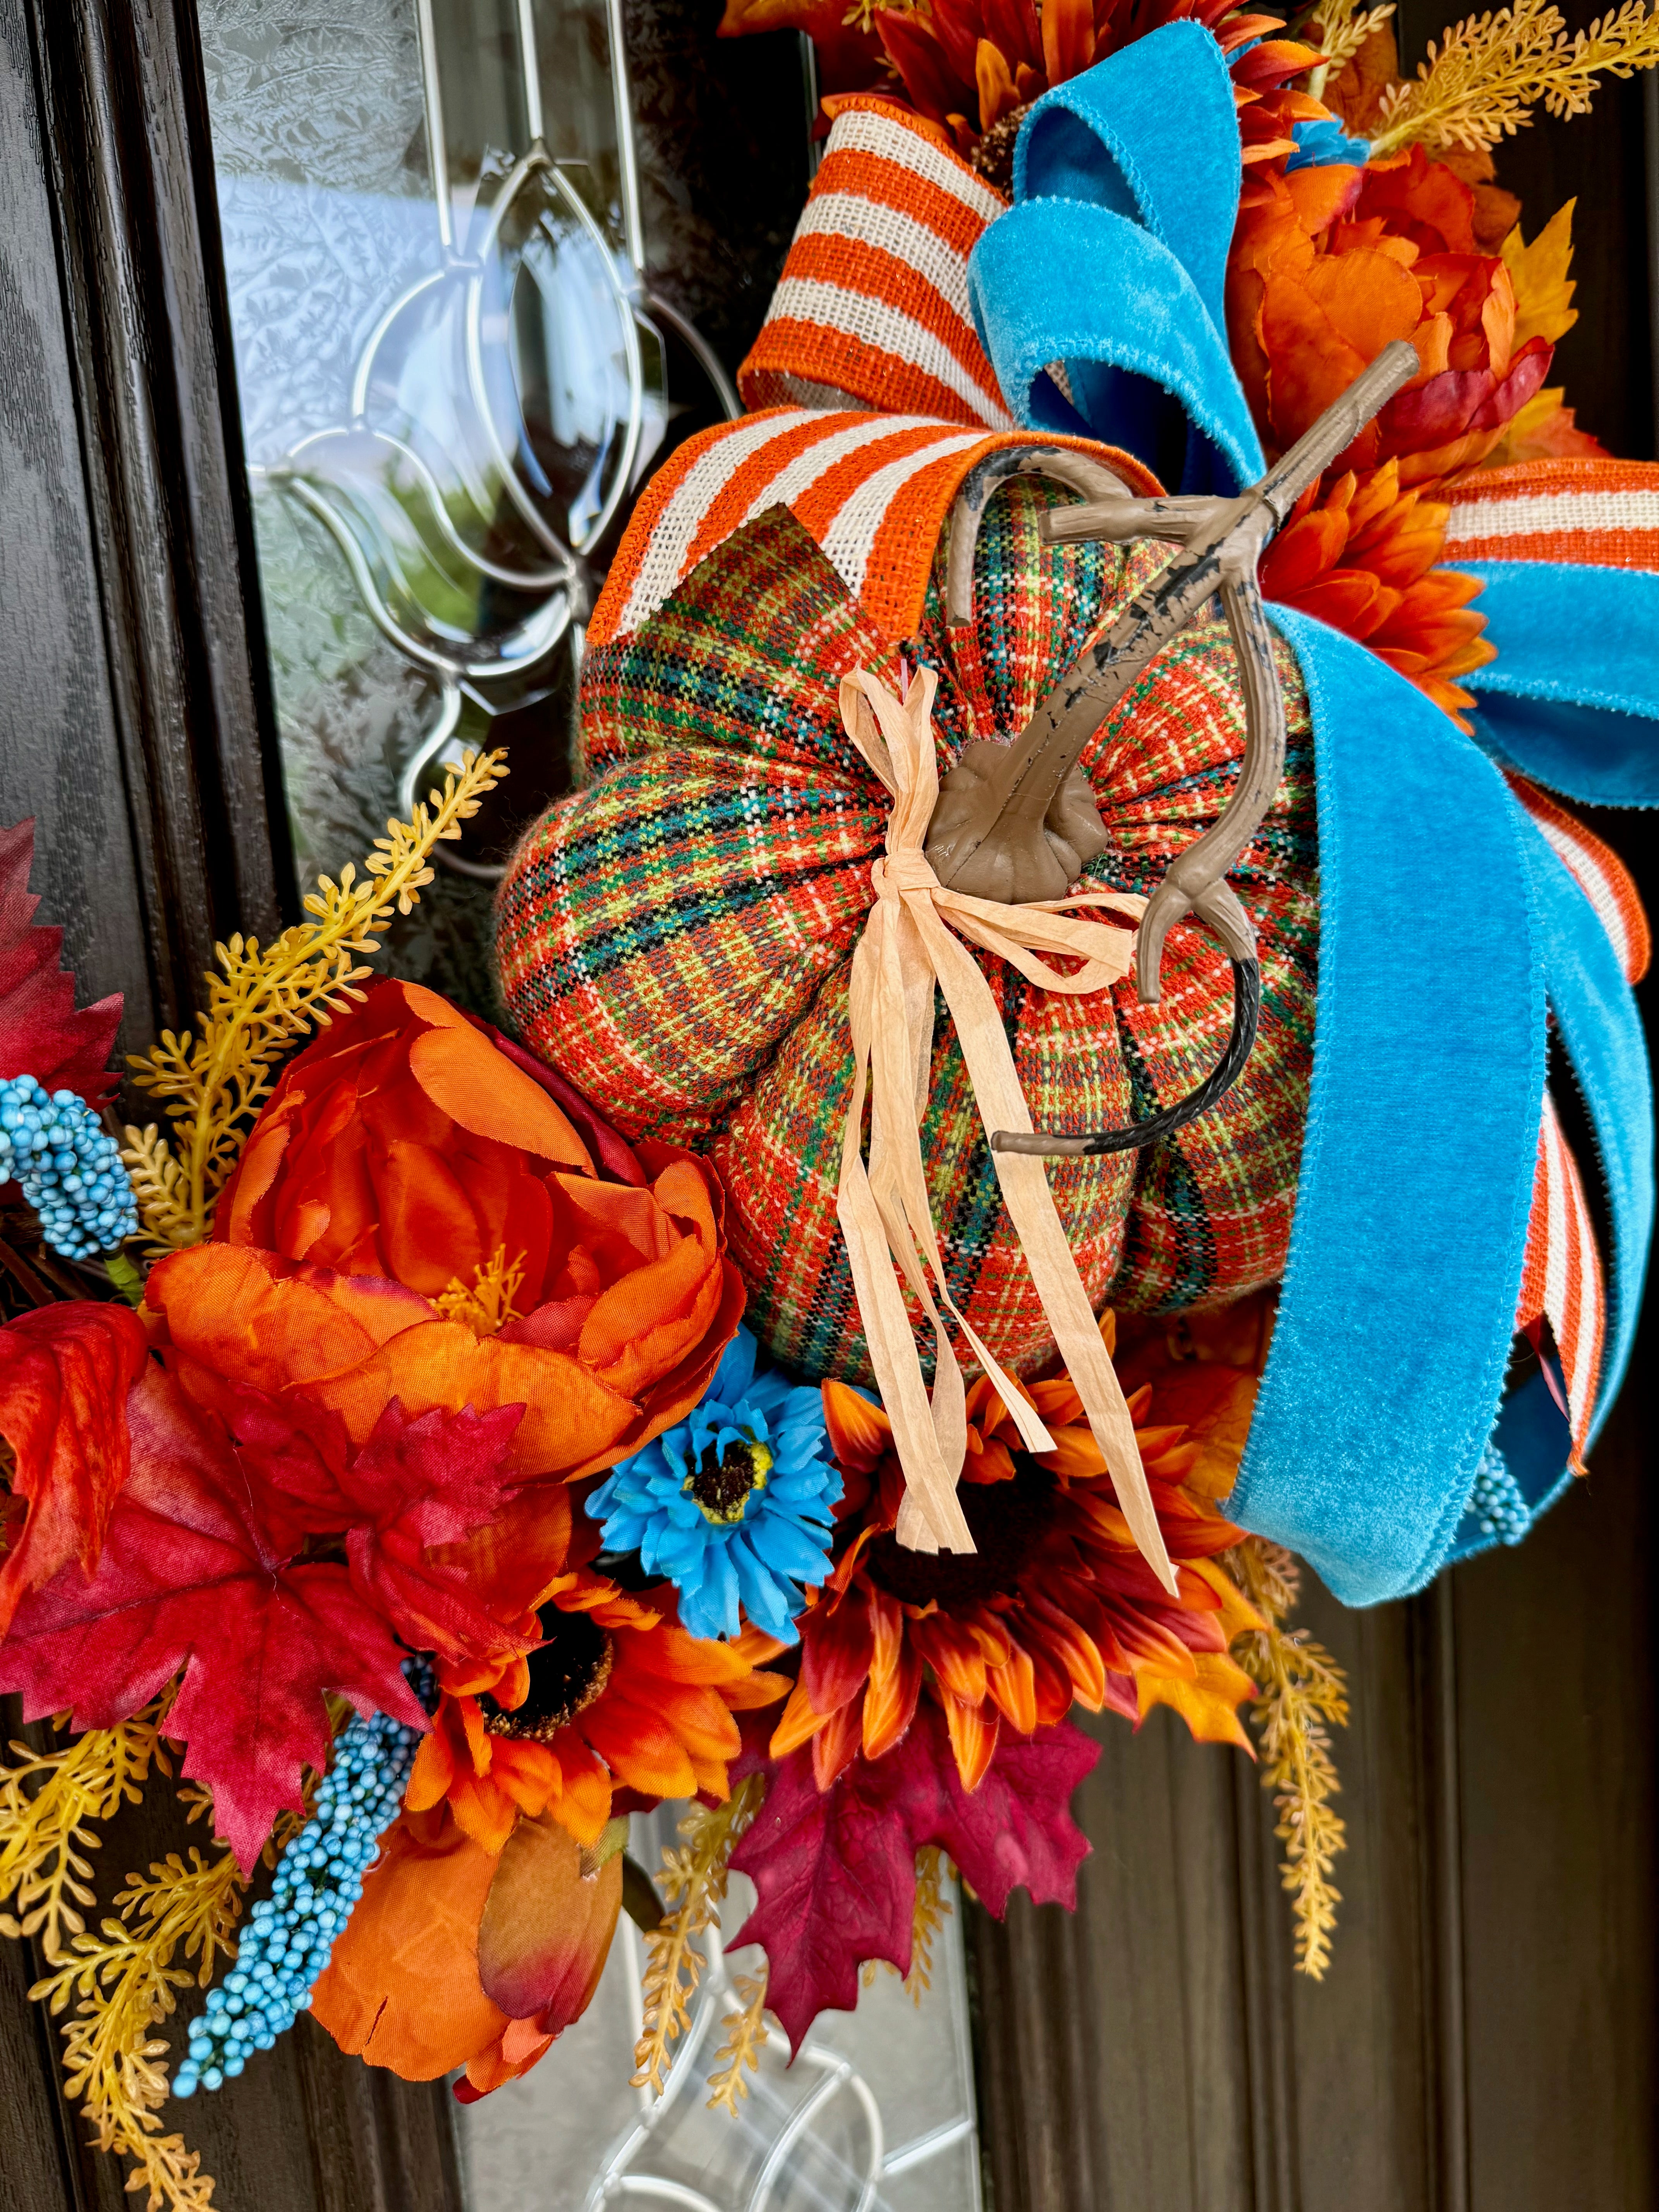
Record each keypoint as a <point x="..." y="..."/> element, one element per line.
<point x="457" y="1957"/>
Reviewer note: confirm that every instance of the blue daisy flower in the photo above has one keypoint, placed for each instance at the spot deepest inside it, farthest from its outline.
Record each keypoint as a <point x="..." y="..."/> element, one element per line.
<point x="734" y="1503"/>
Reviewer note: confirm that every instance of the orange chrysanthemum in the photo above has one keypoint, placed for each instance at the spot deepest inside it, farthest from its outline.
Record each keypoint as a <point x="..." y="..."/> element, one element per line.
<point x="1056" y="1604"/>
<point x="616" y="1695"/>
<point x="1360" y="554"/>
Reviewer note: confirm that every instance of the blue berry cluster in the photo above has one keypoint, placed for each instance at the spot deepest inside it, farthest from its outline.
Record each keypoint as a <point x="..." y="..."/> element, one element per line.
<point x="1496" y="1501"/>
<point x="320" y="1877"/>
<point x="69" y="1167"/>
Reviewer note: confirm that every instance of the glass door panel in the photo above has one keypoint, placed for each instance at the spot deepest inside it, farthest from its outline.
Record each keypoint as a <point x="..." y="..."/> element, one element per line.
<point x="876" y="2114"/>
<point x="456" y="372"/>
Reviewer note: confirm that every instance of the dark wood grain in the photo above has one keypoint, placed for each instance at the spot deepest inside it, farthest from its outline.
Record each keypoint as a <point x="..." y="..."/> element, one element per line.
<point x="60" y="757"/>
<point x="128" y="165"/>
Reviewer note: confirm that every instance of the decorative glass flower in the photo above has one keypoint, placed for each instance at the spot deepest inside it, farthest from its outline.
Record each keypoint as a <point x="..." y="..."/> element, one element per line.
<point x="733" y="1504"/>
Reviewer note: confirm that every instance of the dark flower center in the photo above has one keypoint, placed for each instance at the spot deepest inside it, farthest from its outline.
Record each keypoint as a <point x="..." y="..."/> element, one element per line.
<point x="724" y="1480"/>
<point x="1008" y="1520"/>
<point x="566" y="1674"/>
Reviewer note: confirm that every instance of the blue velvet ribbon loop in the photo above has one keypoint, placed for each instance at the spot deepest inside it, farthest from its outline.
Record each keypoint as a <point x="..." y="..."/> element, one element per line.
<point x="1572" y="698"/>
<point x="1113" y="262"/>
<point x="1417" y="1169"/>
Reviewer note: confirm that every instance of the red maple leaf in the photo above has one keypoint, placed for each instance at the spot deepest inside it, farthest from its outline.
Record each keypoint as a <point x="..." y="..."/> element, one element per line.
<point x="414" y="1485"/>
<point x="64" y="1374"/>
<point x="417" y="1484"/>
<point x="189" y="1579"/>
<point x="836" y="1869"/>
<point x="41" y="1032"/>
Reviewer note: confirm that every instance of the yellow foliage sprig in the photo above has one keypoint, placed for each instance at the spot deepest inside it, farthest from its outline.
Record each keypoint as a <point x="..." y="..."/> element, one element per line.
<point x="125" y="1978"/>
<point x="692" y="1884"/>
<point x="1338" y="28"/>
<point x="927" y="1920"/>
<point x="1301" y="1690"/>
<point x="745" y="2037"/>
<point x="213" y="1079"/>
<point x="48" y="1804"/>
<point x="1481" y="83"/>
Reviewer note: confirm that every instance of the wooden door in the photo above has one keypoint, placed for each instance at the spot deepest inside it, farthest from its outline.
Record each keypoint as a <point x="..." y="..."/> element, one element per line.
<point x="1485" y="2039"/>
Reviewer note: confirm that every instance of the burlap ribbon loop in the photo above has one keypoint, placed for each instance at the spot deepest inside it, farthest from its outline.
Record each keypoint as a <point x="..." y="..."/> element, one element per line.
<point x="884" y="1210"/>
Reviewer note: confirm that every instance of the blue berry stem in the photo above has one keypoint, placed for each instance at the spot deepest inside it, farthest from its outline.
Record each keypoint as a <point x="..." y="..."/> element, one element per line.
<point x="1496" y="1501"/>
<point x="289" y="1935"/>
<point x="68" y="1166"/>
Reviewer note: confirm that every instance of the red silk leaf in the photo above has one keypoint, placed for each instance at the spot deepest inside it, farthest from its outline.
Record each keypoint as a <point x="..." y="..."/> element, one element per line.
<point x="835" y="1870"/>
<point x="416" y="1484"/>
<point x="64" y="1374"/>
<point x="188" y="1580"/>
<point x="42" y="1033"/>
<point x="1015" y="1830"/>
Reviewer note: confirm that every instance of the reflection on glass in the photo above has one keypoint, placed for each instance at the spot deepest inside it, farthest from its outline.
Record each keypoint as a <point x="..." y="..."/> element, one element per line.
<point x="876" y="2114"/>
<point x="452" y="379"/>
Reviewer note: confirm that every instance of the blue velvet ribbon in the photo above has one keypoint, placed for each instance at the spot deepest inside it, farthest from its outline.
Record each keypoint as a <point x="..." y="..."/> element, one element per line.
<point x="1447" y="925"/>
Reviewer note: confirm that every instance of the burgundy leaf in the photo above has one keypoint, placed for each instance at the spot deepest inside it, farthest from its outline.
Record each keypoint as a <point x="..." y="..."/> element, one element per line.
<point x="835" y="1870"/>
<point x="836" y="1877"/>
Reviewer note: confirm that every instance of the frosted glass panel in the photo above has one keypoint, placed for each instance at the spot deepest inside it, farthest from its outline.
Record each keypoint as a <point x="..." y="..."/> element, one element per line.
<point x="456" y="374"/>
<point x="876" y="2111"/>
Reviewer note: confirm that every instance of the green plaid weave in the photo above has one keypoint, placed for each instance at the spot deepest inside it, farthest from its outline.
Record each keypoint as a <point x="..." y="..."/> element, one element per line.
<point x="676" y="937"/>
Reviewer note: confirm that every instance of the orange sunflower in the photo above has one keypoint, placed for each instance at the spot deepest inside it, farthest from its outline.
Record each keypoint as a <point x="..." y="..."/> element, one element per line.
<point x="1055" y="1604"/>
<point x="615" y="1696"/>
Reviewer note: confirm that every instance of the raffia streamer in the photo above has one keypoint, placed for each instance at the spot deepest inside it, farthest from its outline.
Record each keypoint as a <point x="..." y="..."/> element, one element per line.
<point x="884" y="1211"/>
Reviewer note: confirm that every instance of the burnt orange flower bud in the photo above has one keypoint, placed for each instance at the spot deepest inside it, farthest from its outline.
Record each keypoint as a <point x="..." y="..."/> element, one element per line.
<point x="455" y="1957"/>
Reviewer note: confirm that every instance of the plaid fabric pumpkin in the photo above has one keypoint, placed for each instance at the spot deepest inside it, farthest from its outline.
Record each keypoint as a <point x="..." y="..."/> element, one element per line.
<point x="675" y="936"/>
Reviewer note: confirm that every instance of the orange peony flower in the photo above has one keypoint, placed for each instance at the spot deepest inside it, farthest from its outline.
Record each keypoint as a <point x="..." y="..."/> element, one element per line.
<point x="1361" y="556"/>
<point x="1330" y="264"/>
<point x="456" y="1957"/>
<point x="415" y="1217"/>
<point x="1055" y="1605"/>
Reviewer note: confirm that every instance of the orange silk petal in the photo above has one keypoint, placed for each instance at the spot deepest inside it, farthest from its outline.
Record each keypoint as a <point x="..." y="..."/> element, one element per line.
<point x="801" y="1719"/>
<point x="402" y="1988"/>
<point x="638" y="1747"/>
<point x="568" y="1416"/>
<point x="1012" y="1690"/>
<point x="638" y="1328"/>
<point x="250" y="1315"/>
<point x="973" y="1734"/>
<point x="463" y="1074"/>
<point x="545" y="1933"/>
<point x="583" y="1805"/>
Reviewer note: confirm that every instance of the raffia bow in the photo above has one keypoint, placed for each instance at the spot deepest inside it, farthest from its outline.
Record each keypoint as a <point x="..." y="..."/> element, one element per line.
<point x="884" y="1211"/>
